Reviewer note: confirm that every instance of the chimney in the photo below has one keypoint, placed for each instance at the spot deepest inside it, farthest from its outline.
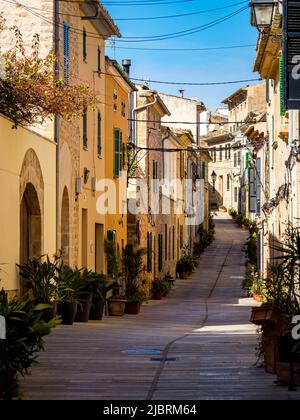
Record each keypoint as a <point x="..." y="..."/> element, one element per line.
<point x="181" y="93"/>
<point x="126" y="66"/>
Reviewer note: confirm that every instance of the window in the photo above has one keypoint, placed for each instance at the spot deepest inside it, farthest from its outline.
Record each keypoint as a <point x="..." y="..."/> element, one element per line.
<point x="99" y="140"/>
<point x="239" y="158"/>
<point x="228" y="182"/>
<point x="84" y="125"/>
<point x="235" y="160"/>
<point x="119" y="152"/>
<point x="149" y="252"/>
<point x="226" y="152"/>
<point x="123" y="111"/>
<point x="155" y="176"/>
<point x="166" y="242"/>
<point x="115" y="100"/>
<point x="66" y="51"/>
<point x="221" y="153"/>
<point x="203" y="174"/>
<point x="173" y="248"/>
<point x="160" y="253"/>
<point x="236" y="194"/>
<point x="229" y="151"/>
<point x="99" y="60"/>
<point x="215" y="154"/>
<point x="84" y="49"/>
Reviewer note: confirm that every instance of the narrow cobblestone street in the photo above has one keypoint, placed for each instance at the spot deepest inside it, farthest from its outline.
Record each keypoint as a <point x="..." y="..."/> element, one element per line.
<point x="202" y="330"/>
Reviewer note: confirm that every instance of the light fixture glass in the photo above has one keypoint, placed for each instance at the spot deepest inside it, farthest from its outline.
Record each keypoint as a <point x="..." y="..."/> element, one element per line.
<point x="262" y="13"/>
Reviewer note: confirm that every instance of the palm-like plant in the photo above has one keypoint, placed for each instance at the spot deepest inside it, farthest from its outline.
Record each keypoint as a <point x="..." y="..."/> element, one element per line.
<point x="40" y="277"/>
<point x="133" y="266"/>
<point x="288" y="259"/>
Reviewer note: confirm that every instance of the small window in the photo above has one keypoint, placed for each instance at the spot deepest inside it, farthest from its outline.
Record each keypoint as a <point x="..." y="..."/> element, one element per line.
<point x="123" y="112"/>
<point x="84" y="46"/>
<point x="236" y="194"/>
<point x="66" y="52"/>
<point x="115" y="97"/>
<point x="84" y="127"/>
<point x="221" y="153"/>
<point x="149" y="252"/>
<point x="99" y="134"/>
<point x="99" y="60"/>
<point x="160" y="253"/>
<point x="155" y="176"/>
<point x="228" y="182"/>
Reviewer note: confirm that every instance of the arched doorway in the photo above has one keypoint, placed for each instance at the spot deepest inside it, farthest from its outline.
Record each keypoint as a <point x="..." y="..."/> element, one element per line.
<point x="65" y="227"/>
<point x="30" y="225"/>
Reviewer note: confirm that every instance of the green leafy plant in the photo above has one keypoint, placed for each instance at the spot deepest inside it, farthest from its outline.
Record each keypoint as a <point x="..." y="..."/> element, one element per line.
<point x="239" y="219"/>
<point x="133" y="267"/>
<point x="185" y="265"/>
<point x="232" y="212"/>
<point x="30" y="92"/>
<point x="40" y="277"/>
<point x="25" y="330"/>
<point x="161" y="287"/>
<point x="113" y="262"/>
<point x="252" y="249"/>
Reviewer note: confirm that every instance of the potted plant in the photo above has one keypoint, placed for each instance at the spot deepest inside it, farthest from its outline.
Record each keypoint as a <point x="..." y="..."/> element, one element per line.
<point x="117" y="302"/>
<point x="134" y="303"/>
<point x="133" y="267"/>
<point x="185" y="267"/>
<point x="101" y="286"/>
<point x="68" y="300"/>
<point x="160" y="289"/>
<point x="25" y="330"/>
<point x="40" y="280"/>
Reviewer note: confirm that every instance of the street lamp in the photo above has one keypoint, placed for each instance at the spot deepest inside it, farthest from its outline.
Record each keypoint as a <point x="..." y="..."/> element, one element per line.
<point x="262" y="13"/>
<point x="214" y="179"/>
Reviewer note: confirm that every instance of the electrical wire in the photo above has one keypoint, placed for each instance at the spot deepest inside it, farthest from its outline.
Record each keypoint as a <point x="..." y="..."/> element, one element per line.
<point x="186" y="83"/>
<point x="110" y="44"/>
<point x="142" y="39"/>
<point x="142" y="18"/>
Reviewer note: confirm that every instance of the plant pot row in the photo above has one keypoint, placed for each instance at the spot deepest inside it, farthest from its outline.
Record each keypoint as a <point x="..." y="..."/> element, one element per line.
<point x="277" y="358"/>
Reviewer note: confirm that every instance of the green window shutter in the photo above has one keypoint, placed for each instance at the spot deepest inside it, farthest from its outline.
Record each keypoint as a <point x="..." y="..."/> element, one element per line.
<point x="84" y="123"/>
<point x="282" y="110"/>
<point x="116" y="152"/>
<point x="121" y="156"/>
<point x="66" y="52"/>
<point x="149" y="252"/>
<point x="84" y="49"/>
<point x="247" y="160"/>
<point x="99" y="142"/>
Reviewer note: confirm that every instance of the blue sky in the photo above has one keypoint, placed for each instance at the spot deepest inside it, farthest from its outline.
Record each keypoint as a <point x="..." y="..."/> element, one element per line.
<point x="195" y="66"/>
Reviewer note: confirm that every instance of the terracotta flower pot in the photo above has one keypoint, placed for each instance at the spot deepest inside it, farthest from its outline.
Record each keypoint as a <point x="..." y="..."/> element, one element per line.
<point x="183" y="275"/>
<point x="116" y="307"/>
<point x="158" y="296"/>
<point x="265" y="313"/>
<point x="133" y="308"/>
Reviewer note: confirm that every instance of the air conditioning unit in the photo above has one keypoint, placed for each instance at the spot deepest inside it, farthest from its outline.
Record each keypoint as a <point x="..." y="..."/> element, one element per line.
<point x="78" y="186"/>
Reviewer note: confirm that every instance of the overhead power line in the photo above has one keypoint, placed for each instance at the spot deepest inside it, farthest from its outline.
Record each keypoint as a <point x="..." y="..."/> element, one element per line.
<point x="210" y="122"/>
<point x="153" y="38"/>
<point x="141" y="18"/>
<point x="186" y="83"/>
<point x="110" y="44"/>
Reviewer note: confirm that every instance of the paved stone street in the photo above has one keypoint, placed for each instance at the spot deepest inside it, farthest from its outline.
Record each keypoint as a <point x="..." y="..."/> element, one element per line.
<point x="202" y="330"/>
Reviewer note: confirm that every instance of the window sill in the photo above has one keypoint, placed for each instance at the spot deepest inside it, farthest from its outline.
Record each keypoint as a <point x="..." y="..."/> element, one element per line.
<point x="85" y="148"/>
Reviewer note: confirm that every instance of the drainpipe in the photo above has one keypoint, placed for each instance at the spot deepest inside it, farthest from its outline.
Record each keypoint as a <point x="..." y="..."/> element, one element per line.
<point x="57" y="119"/>
<point x="140" y="108"/>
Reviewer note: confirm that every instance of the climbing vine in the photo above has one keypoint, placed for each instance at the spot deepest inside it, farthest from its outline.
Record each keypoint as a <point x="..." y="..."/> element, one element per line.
<point x="29" y="90"/>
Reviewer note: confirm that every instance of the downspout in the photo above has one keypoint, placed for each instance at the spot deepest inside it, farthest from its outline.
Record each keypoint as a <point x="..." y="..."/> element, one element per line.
<point x="57" y="119"/>
<point x="140" y="108"/>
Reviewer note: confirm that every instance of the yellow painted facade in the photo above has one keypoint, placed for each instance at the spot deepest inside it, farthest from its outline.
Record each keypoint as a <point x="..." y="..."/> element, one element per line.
<point x="27" y="179"/>
<point x="117" y="91"/>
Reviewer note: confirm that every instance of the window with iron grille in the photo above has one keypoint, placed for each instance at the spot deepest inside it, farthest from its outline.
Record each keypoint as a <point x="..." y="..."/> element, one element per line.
<point x="99" y="134"/>
<point x="84" y="46"/>
<point x="84" y="125"/>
